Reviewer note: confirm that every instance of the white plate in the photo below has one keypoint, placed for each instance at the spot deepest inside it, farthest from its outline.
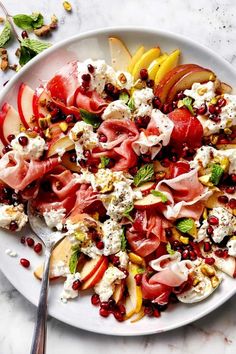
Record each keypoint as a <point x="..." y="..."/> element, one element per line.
<point x="80" y="313"/>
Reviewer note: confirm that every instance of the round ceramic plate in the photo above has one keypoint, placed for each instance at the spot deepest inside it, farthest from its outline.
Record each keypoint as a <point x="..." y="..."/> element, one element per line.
<point x="79" y="312"/>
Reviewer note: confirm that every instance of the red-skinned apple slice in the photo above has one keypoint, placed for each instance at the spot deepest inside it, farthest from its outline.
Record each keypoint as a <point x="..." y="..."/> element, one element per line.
<point x="171" y="78"/>
<point x="60" y="144"/>
<point x="10" y="122"/>
<point x="200" y="75"/>
<point x="145" y="187"/>
<point x="97" y="276"/>
<point x="25" y="105"/>
<point x="90" y="267"/>
<point x="148" y="202"/>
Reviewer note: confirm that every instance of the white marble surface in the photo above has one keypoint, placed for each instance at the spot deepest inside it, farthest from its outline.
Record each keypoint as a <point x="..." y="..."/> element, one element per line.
<point x="211" y="23"/>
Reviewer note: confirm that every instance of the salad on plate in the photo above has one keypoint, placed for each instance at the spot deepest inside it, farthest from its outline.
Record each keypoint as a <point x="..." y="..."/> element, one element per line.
<point x="135" y="162"/>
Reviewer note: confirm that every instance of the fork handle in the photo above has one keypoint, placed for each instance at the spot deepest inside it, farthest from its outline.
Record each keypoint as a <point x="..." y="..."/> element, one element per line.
<point x="40" y="329"/>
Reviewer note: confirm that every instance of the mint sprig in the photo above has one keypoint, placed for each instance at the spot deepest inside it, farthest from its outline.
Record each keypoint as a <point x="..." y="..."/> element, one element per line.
<point x="185" y="225"/>
<point x="216" y="174"/>
<point x="29" y="22"/>
<point x="144" y="174"/>
<point x="5" y="35"/>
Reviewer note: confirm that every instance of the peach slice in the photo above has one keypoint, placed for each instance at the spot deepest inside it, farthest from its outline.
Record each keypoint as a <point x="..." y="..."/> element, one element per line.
<point x="145" y="61"/>
<point x="97" y="276"/>
<point x="58" y="145"/>
<point x="200" y="75"/>
<point x="167" y="65"/>
<point x="10" y="122"/>
<point x="25" y="105"/>
<point x="149" y="201"/>
<point x="90" y="267"/>
<point x="155" y="65"/>
<point x="137" y="55"/>
<point x="120" y="55"/>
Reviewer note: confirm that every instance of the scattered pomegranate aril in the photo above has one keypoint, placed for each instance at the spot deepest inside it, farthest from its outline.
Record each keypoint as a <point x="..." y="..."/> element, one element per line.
<point x="102" y="138"/>
<point x="213" y="220"/>
<point x="24" y="34"/>
<point x="230" y="189"/>
<point x="69" y="118"/>
<point x="219" y="253"/>
<point x="156" y="313"/>
<point x="202" y="109"/>
<point x="103" y="312"/>
<point x="233" y="177"/>
<point x="86" y="77"/>
<point x="38" y="248"/>
<point x="118" y="316"/>
<point x="138" y="279"/>
<point x="156" y="102"/>
<point x="209" y="260"/>
<point x="100" y="245"/>
<point x="143" y="74"/>
<point x="146" y="158"/>
<point x="104" y="305"/>
<point x="10" y="137"/>
<point x="22" y="240"/>
<point x="122" y="309"/>
<point x="13" y="226"/>
<point x="185" y="254"/>
<point x="87" y="154"/>
<point x="207" y="246"/>
<point x="168" y="232"/>
<point x="210" y="230"/>
<point x="217" y="110"/>
<point x="95" y="299"/>
<point x="25" y="262"/>
<point x="93" y="169"/>
<point x="223" y="199"/>
<point x="212" y="108"/>
<point x="76" y="285"/>
<point x="30" y="241"/>
<point x="232" y="203"/>
<point x="221" y="102"/>
<point x="23" y="140"/>
<point x="192" y="255"/>
<point x="148" y="310"/>
<point x="111" y="304"/>
<point x="109" y="88"/>
<point x="91" y="68"/>
<point x="150" y="83"/>
<point x="6" y="149"/>
<point x="116" y="261"/>
<point x="167" y="108"/>
<point x="180" y="95"/>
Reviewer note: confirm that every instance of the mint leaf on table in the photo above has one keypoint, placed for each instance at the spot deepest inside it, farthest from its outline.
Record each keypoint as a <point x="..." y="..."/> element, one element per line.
<point x="123" y="240"/>
<point x="169" y="249"/>
<point x="216" y="174"/>
<point x="30" y="48"/>
<point x="185" y="225"/>
<point x="73" y="262"/>
<point x="163" y="197"/>
<point x="29" y="22"/>
<point x="5" y="35"/>
<point x="187" y="102"/>
<point x="104" y="161"/>
<point x="90" y="118"/>
<point x="144" y="174"/>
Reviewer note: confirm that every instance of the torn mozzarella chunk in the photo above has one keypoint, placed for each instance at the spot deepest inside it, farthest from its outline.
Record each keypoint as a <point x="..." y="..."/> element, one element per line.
<point x="105" y="288"/>
<point x="201" y="93"/>
<point x="143" y="102"/>
<point x="112" y="232"/>
<point x="68" y="291"/>
<point x="231" y="246"/>
<point x="116" y="110"/>
<point x="124" y="80"/>
<point x="123" y="259"/>
<point x="34" y="148"/>
<point x="54" y="218"/>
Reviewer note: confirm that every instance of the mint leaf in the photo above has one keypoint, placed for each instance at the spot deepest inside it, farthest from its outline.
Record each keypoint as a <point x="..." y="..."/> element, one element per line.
<point x="216" y="174"/>
<point x="25" y="56"/>
<point x="131" y="104"/>
<point x="35" y="45"/>
<point x="187" y="102"/>
<point x="73" y="262"/>
<point x="163" y="197"/>
<point x="123" y="240"/>
<point x="169" y="249"/>
<point x="144" y="174"/>
<point x="104" y="161"/>
<point x="5" y="35"/>
<point x="29" y="22"/>
<point x="185" y="225"/>
<point x="38" y="20"/>
<point x="90" y="118"/>
<point x="124" y="96"/>
<point x="127" y="211"/>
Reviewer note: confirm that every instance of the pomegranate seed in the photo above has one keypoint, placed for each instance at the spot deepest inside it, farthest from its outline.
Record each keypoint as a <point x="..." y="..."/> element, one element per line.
<point x="24" y="34"/>
<point x="167" y="108"/>
<point x="213" y="220"/>
<point x="142" y="122"/>
<point x="125" y="271"/>
<point x="111" y="304"/>
<point x="212" y="108"/>
<point x="223" y="199"/>
<point x="6" y="149"/>
<point x="207" y="246"/>
<point x="143" y="74"/>
<point x="23" y="140"/>
<point x="93" y="168"/>
<point x="185" y="254"/>
<point x="180" y="95"/>
<point x="10" y="137"/>
<point x="13" y="226"/>
<point x="232" y="203"/>
<point x="30" y="242"/>
<point x="202" y="109"/>
<point x="69" y="118"/>
<point x="36" y="129"/>
<point x="150" y="83"/>
<point x="210" y="230"/>
<point x="95" y="299"/>
<point x="156" y="313"/>
<point x="221" y="102"/>
<point x="156" y="102"/>
<point x="233" y="177"/>
<point x="118" y="316"/>
<point x="76" y="285"/>
<point x="22" y="240"/>
<point x="192" y="255"/>
<point x="38" y="248"/>
<point x="103" y="312"/>
<point x="168" y="232"/>
<point x="138" y="279"/>
<point x="219" y="253"/>
<point x="230" y="190"/>
<point x="100" y="245"/>
<point x="109" y="88"/>
<point x="86" y="77"/>
<point x="226" y="254"/>
<point x="217" y="110"/>
<point x="24" y="262"/>
<point x="104" y="305"/>
<point x="122" y="309"/>
<point x="87" y="154"/>
<point x="85" y="85"/>
<point x="209" y="260"/>
<point x="133" y="170"/>
<point x="102" y="138"/>
<point x="175" y="244"/>
<point x="116" y="261"/>
<point x="148" y="310"/>
<point x="91" y="68"/>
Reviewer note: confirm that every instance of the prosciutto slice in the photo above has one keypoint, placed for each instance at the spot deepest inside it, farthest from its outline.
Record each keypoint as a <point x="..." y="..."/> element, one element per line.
<point x="155" y="291"/>
<point x="18" y="173"/>
<point x="156" y="135"/>
<point x="63" y="184"/>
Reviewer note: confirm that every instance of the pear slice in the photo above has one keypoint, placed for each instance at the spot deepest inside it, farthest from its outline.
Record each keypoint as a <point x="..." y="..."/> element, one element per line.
<point x="120" y="55"/>
<point x="155" y="65"/>
<point x="167" y="65"/>
<point x="145" y="61"/>
<point x="137" y="55"/>
<point x="134" y="300"/>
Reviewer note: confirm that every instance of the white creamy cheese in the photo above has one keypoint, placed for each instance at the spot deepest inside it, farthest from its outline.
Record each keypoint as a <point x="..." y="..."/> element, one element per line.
<point x="123" y="259"/>
<point x="11" y="253"/>
<point x="231" y="245"/>
<point x="53" y="218"/>
<point x="112" y="232"/>
<point x="59" y="269"/>
<point x="201" y="93"/>
<point x="89" y="248"/>
<point x="228" y="112"/>
<point x="116" y="110"/>
<point x="68" y="291"/>
<point x="9" y="213"/>
<point x="124" y="80"/>
<point x="106" y="286"/>
<point x="143" y="102"/>
<point x="33" y="150"/>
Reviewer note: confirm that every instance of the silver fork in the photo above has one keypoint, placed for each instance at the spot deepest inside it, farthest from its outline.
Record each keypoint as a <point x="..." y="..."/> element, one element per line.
<point x="50" y="240"/>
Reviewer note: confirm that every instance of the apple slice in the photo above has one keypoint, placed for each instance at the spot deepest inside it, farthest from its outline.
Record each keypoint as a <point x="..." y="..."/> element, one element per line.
<point x="134" y="291"/>
<point x="61" y="253"/>
<point x="137" y="55"/>
<point x="167" y="65"/>
<point x="171" y="78"/>
<point x="58" y="145"/>
<point x="155" y="65"/>
<point x="90" y="267"/>
<point x="10" y="122"/>
<point x="200" y="75"/>
<point x="226" y="265"/>
<point x="120" y="55"/>
<point x="148" y="202"/>
<point x="145" y="61"/>
<point x="145" y="187"/>
<point x="25" y="105"/>
<point x="119" y="291"/>
<point x="72" y="166"/>
<point x="97" y="276"/>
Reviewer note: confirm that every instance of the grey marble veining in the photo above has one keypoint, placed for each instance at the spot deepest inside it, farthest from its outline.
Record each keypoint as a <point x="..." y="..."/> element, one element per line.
<point x="211" y="23"/>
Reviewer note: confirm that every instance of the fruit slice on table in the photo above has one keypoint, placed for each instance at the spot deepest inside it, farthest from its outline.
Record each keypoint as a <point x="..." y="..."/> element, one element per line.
<point x="61" y="253"/>
<point x="167" y="82"/>
<point x="145" y="61"/>
<point x="66" y="162"/>
<point x="90" y="267"/>
<point x="57" y="146"/>
<point x="119" y="291"/>
<point x="145" y="187"/>
<point x="134" y="300"/>
<point x="25" y="105"/>
<point x="155" y="65"/>
<point x="10" y="122"/>
<point x="148" y="202"/>
<point x="97" y="276"/>
<point x="140" y="51"/>
<point x="120" y="55"/>
<point x="167" y="65"/>
<point x="200" y="75"/>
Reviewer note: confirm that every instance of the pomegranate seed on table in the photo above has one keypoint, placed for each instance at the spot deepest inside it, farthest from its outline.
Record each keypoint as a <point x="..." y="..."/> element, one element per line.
<point x="76" y="285"/>
<point x="148" y="310"/>
<point x="69" y="118"/>
<point x="217" y="110"/>
<point x="86" y="77"/>
<point x="122" y="309"/>
<point x="116" y="260"/>
<point x="13" y="226"/>
<point x="104" y="305"/>
<point x="156" y="313"/>
<point x="180" y="95"/>
<point x="102" y="138"/>
<point x="168" y="232"/>
<point x="30" y="241"/>
<point x="232" y="203"/>
<point x="10" y="137"/>
<point x="118" y="316"/>
<point x="6" y="149"/>
<point x="150" y="83"/>
<point x="38" y="247"/>
<point x="202" y="109"/>
<point x="22" y="240"/>
<point x="192" y="255"/>
<point x="185" y="254"/>
<point x="156" y="102"/>
<point x="212" y="108"/>
<point x="109" y="88"/>
<point x="213" y="220"/>
<point x="233" y="177"/>
<point x="219" y="253"/>
<point x="25" y="262"/>
<point x="95" y="299"/>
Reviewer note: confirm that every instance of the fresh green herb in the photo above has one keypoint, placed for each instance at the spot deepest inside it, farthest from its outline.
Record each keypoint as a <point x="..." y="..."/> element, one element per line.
<point x="216" y="174"/>
<point x="144" y="174"/>
<point x="187" y="102"/>
<point x="169" y="249"/>
<point x="141" y="270"/>
<point x="5" y="35"/>
<point x="163" y="197"/>
<point x="131" y="104"/>
<point x="73" y="262"/>
<point x="124" y="96"/>
<point x="29" y="22"/>
<point x="29" y="48"/>
<point x="104" y="161"/>
<point x="90" y="118"/>
<point x="123" y="240"/>
<point x="127" y="213"/>
<point x="185" y="225"/>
